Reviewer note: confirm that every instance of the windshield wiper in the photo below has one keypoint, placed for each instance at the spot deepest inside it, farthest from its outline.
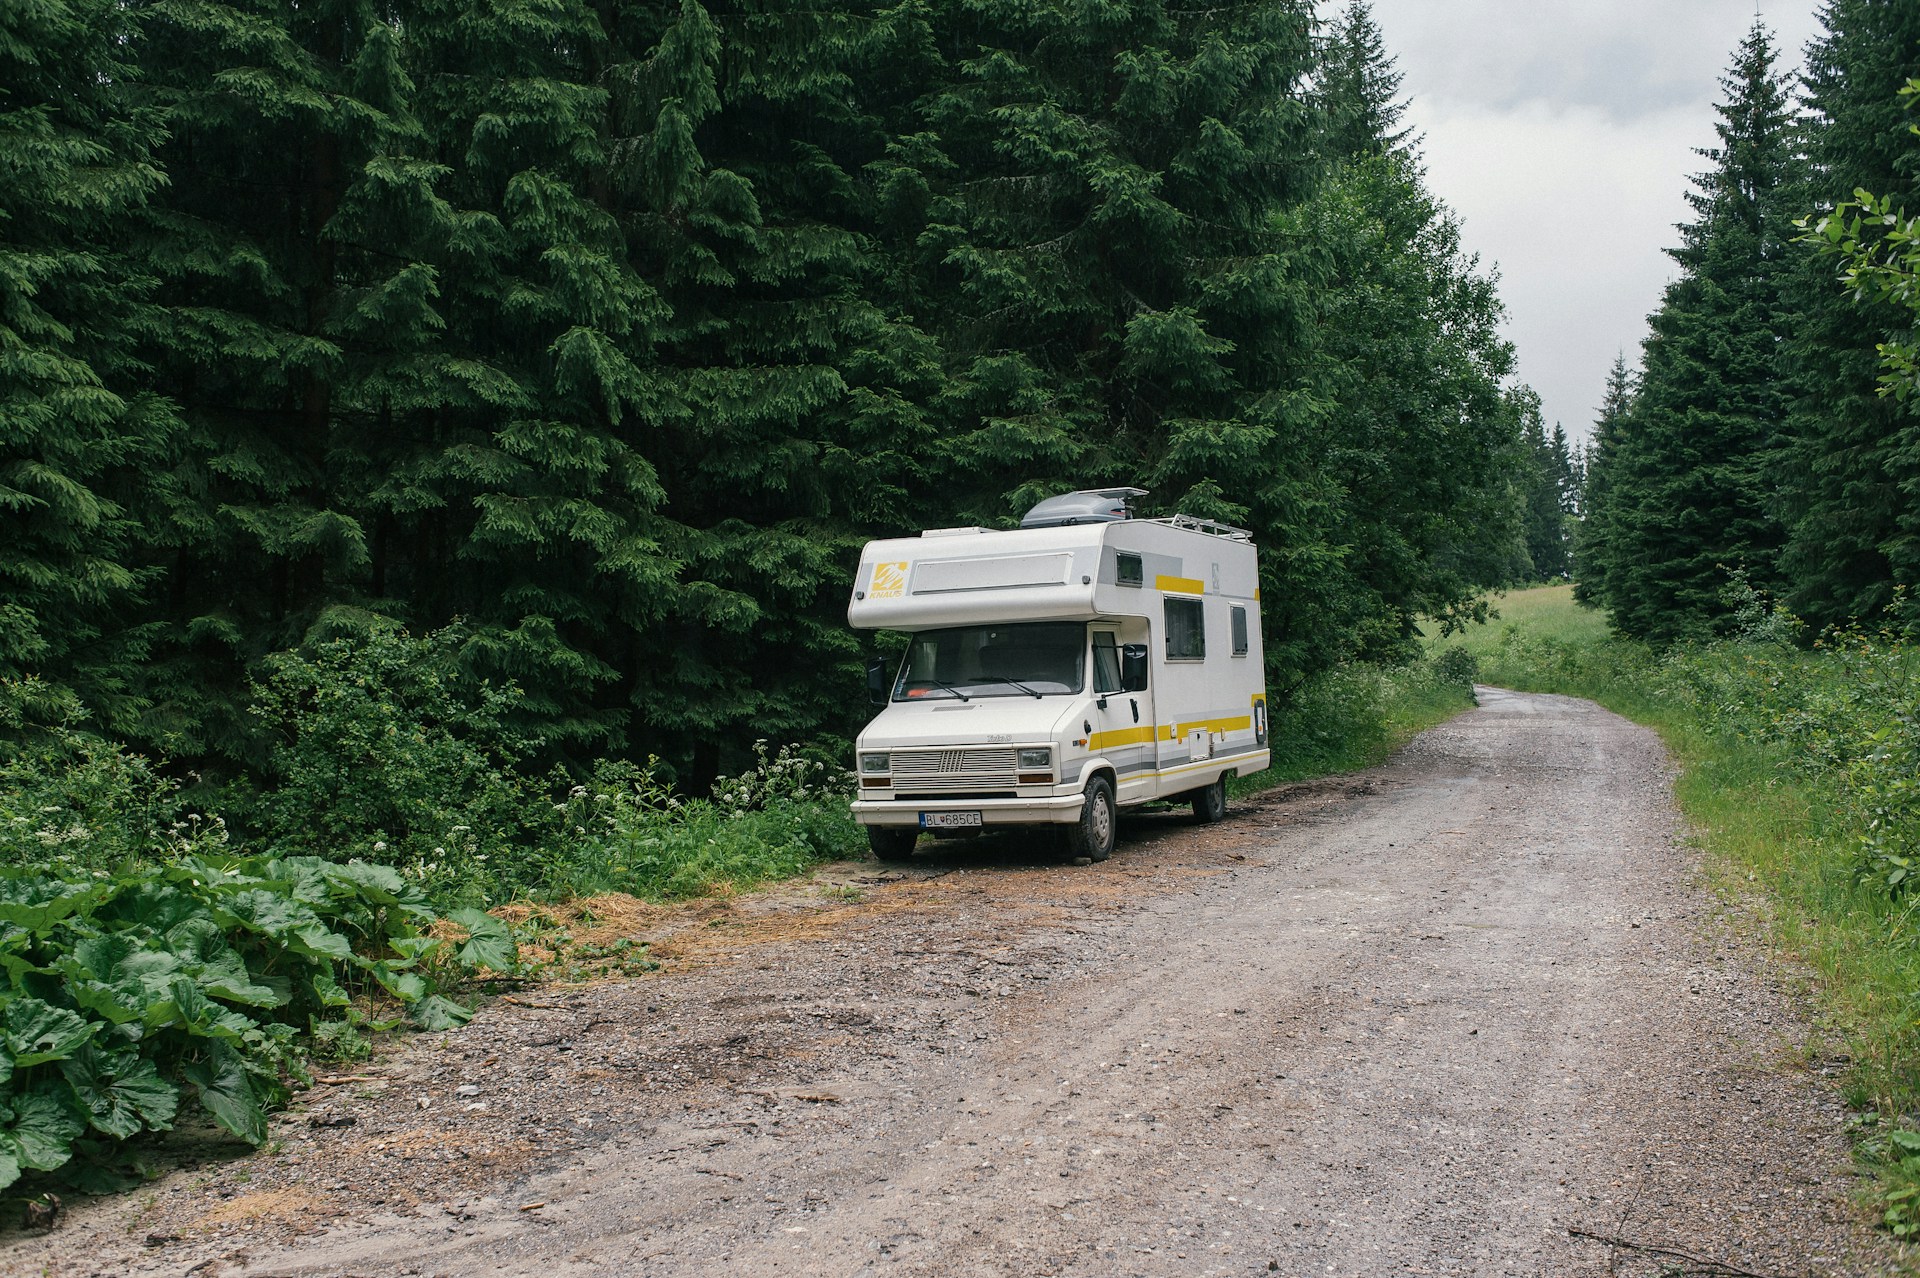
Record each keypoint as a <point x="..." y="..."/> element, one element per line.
<point x="1017" y="684"/>
<point x="949" y="687"/>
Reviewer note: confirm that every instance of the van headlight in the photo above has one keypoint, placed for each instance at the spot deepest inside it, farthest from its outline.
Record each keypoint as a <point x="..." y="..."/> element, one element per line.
<point x="873" y="764"/>
<point x="1036" y="767"/>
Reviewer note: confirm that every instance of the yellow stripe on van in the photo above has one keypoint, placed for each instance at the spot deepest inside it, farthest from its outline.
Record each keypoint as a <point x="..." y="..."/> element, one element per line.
<point x="1181" y="585"/>
<point x="1211" y="725"/>
<point x="1119" y="737"/>
<point x="1168" y="731"/>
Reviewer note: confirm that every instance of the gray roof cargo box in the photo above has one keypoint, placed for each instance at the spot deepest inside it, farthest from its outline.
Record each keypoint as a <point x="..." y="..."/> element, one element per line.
<point x="1089" y="506"/>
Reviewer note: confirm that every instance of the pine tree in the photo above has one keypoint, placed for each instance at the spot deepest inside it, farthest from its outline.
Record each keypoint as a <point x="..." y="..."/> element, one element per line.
<point x="787" y="408"/>
<point x="1359" y="89"/>
<point x="1550" y="494"/>
<point x="1592" y="545"/>
<point x="1414" y="447"/>
<point x="79" y="430"/>
<point x="1691" y="499"/>
<point x="1852" y="466"/>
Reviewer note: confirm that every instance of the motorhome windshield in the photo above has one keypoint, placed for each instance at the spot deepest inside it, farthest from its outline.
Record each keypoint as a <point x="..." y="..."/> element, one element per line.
<point x="1031" y="659"/>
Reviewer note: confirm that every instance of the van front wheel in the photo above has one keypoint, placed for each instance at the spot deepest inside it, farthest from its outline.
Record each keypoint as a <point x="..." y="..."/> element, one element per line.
<point x="1092" y="835"/>
<point x="892" y="842"/>
<point x="1210" y="802"/>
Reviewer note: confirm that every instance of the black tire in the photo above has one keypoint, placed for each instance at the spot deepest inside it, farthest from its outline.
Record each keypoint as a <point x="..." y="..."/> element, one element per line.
<point x="1092" y="835"/>
<point x="1210" y="802"/>
<point x="892" y="842"/>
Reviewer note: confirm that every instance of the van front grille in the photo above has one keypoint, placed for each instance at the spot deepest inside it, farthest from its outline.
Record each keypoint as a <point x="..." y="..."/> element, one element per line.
<point x="946" y="771"/>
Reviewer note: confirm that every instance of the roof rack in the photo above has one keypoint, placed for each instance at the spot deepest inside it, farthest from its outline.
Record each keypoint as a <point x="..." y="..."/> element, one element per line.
<point x="1212" y="528"/>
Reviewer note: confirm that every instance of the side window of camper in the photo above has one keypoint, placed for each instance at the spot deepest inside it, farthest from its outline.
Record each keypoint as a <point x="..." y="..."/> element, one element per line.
<point x="1186" y="630"/>
<point x="1239" y="630"/>
<point x="1128" y="571"/>
<point x="1106" y="663"/>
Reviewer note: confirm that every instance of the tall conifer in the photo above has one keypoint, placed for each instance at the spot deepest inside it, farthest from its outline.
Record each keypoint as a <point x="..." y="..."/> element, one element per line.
<point x="1592" y="554"/>
<point x="1852" y="470"/>
<point x="288" y="250"/>
<point x="79" y="428"/>
<point x="785" y="407"/>
<point x="1413" y="445"/>
<point x="1691" y="497"/>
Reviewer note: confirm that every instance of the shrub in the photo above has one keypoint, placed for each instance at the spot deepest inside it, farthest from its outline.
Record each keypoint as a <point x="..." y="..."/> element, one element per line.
<point x="1457" y="666"/>
<point x="71" y="798"/>
<point x="627" y="830"/>
<point x="148" y="967"/>
<point x="375" y="746"/>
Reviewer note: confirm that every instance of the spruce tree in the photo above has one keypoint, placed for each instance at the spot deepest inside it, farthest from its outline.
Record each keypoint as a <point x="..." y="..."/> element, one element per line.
<point x="1359" y="89"/>
<point x="1413" y="444"/>
<point x="80" y="431"/>
<point x="1591" y="551"/>
<point x="785" y="410"/>
<point x="1852" y="466"/>
<point x="1691" y="497"/>
<point x="1550" y="489"/>
<point x="1107" y="282"/>
<point x="298" y="248"/>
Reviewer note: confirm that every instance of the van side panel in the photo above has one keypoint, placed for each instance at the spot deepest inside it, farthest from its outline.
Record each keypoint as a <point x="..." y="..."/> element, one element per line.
<point x="1211" y="711"/>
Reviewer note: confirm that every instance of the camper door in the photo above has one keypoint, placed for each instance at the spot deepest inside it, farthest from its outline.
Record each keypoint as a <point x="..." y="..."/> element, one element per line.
<point x="1124" y="727"/>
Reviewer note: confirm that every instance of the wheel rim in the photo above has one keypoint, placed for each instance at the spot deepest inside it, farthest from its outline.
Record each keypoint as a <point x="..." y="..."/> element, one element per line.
<point x="1102" y="820"/>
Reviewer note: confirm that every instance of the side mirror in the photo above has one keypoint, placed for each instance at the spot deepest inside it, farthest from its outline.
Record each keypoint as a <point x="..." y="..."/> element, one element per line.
<point x="1133" y="667"/>
<point x="877" y="682"/>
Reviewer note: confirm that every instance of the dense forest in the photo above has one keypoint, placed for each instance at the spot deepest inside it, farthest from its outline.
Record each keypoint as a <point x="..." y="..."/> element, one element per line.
<point x="1767" y="449"/>
<point x="594" y="339"/>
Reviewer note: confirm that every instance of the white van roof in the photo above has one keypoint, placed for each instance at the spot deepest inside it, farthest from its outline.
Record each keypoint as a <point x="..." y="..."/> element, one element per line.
<point x="1067" y="572"/>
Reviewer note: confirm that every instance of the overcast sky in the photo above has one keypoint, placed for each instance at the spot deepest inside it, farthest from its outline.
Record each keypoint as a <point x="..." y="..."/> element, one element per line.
<point x="1562" y="133"/>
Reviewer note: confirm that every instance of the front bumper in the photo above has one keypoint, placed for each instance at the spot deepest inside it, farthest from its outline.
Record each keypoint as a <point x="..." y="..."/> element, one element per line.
<point x="1063" y="809"/>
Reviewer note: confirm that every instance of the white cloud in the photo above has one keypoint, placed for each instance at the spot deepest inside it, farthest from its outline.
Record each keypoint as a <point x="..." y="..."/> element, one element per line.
<point x="1575" y="210"/>
<point x="1563" y="134"/>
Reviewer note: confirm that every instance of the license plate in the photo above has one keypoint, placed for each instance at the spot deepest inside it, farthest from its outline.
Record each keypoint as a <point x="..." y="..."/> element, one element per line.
<point x="949" y="820"/>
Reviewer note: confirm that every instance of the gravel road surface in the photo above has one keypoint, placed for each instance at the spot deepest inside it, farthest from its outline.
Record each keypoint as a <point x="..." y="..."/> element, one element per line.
<point x="1473" y="1012"/>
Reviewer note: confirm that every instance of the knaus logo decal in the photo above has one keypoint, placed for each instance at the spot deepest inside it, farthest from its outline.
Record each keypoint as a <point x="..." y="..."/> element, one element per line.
<point x="889" y="581"/>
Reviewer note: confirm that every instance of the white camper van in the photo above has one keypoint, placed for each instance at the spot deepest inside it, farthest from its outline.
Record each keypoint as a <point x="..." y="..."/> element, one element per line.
<point x="1084" y="662"/>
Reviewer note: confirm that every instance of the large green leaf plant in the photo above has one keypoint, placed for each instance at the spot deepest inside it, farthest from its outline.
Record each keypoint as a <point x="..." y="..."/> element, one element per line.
<point x="127" y="998"/>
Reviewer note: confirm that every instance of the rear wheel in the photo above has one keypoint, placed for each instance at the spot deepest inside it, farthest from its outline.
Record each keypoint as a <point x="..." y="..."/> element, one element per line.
<point x="1092" y="835"/>
<point x="1210" y="802"/>
<point x="892" y="842"/>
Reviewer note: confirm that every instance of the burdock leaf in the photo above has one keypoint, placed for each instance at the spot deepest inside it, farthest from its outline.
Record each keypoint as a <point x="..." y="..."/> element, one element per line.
<point x="121" y="1091"/>
<point x="489" y="941"/>
<point x="38" y="1032"/>
<point x="42" y="1133"/>
<point x="437" y="1013"/>
<point x="227" y="1092"/>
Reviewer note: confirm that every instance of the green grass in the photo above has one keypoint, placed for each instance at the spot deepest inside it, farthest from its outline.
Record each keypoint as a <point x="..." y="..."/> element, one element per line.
<point x="1543" y="612"/>
<point x="1784" y="754"/>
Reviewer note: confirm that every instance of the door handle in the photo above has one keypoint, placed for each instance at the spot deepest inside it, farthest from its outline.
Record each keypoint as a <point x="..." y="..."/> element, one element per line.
<point x="1136" y="709"/>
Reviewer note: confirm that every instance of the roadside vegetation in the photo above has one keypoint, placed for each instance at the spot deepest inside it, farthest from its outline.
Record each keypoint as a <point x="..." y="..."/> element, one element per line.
<point x="1800" y="776"/>
<point x="1355" y="716"/>
<point x="180" y="952"/>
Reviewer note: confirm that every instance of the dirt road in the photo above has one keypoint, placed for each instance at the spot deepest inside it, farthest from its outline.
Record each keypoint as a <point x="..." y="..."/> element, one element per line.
<point x="1430" y="1019"/>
